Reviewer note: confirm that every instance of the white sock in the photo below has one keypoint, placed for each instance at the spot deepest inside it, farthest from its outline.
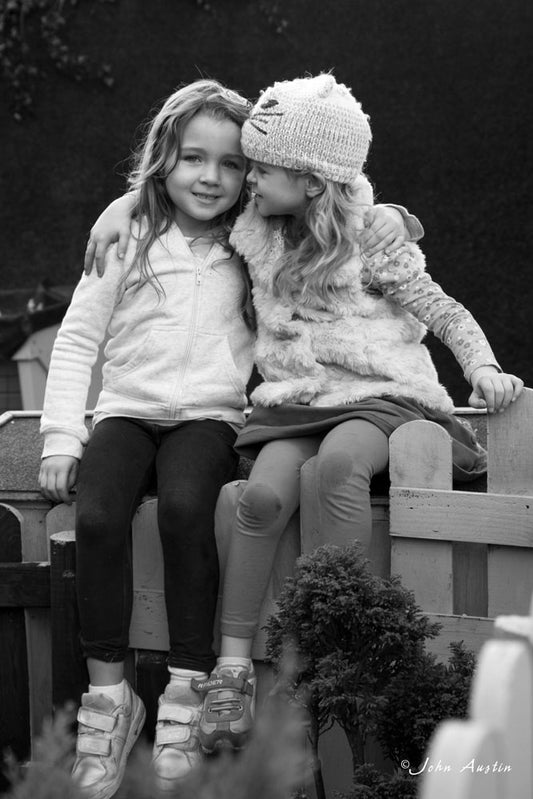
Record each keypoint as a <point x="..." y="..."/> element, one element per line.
<point x="115" y="692"/>
<point x="183" y="676"/>
<point x="236" y="664"/>
<point x="180" y="679"/>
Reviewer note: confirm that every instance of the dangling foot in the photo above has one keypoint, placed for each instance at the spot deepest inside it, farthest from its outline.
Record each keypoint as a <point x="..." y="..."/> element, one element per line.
<point x="176" y="746"/>
<point x="106" y="735"/>
<point x="229" y="706"/>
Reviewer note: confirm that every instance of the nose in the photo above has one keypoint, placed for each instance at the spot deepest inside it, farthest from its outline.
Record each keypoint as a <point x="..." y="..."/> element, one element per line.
<point x="210" y="173"/>
<point x="250" y="177"/>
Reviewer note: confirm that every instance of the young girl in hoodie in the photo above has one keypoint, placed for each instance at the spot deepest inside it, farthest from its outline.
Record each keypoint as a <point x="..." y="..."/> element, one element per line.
<point x="177" y="362"/>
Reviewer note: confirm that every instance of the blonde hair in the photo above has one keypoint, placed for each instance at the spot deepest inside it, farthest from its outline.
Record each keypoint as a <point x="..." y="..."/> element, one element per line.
<point x="157" y="155"/>
<point x="317" y="246"/>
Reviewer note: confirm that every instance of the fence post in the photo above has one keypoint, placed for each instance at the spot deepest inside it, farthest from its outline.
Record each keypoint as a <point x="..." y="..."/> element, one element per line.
<point x="14" y="678"/>
<point x="69" y="672"/>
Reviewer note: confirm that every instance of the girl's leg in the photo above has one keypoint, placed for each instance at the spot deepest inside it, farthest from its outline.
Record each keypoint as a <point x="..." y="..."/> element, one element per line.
<point x="267" y="503"/>
<point x="193" y="463"/>
<point x="349" y="456"/>
<point x="113" y="476"/>
<point x="270" y="498"/>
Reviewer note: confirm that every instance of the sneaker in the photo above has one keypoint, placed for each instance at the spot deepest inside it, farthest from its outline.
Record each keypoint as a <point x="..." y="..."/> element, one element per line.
<point x="229" y="706"/>
<point x="176" y="746"/>
<point x="106" y="735"/>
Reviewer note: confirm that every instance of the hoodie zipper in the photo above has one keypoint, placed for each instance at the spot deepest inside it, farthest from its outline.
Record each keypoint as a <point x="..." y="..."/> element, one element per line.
<point x="191" y="336"/>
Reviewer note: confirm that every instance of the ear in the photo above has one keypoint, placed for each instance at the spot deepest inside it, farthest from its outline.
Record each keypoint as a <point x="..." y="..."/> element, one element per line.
<point x="314" y="185"/>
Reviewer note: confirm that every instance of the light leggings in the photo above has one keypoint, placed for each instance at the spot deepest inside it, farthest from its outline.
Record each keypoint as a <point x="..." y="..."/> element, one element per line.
<point x="347" y="458"/>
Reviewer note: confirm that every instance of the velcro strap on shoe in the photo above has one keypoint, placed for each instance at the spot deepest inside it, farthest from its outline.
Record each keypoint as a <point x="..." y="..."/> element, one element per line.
<point x="172" y="734"/>
<point x="176" y="713"/>
<point x="93" y="745"/>
<point x="222" y="682"/>
<point x="96" y="720"/>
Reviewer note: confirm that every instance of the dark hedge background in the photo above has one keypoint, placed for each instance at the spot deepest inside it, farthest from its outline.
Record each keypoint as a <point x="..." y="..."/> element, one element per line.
<point x="447" y="83"/>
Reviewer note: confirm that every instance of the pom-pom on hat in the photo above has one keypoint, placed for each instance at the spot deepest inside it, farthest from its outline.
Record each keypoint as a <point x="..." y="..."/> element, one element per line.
<point x="311" y="124"/>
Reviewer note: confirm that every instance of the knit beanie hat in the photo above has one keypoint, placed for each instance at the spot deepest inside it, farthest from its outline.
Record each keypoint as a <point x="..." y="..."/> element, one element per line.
<point x="313" y="124"/>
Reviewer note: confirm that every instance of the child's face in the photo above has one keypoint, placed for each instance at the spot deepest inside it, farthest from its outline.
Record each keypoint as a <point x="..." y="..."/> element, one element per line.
<point x="207" y="178"/>
<point x="277" y="192"/>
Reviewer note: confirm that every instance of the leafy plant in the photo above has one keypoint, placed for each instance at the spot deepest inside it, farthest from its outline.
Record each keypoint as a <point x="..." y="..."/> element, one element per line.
<point x="417" y="699"/>
<point x="371" y="784"/>
<point x="31" y="29"/>
<point x="361" y="641"/>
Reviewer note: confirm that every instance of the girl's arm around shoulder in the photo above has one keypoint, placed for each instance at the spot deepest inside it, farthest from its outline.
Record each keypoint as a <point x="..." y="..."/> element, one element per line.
<point x="401" y="277"/>
<point x="113" y="225"/>
<point x="382" y="226"/>
<point x="387" y="227"/>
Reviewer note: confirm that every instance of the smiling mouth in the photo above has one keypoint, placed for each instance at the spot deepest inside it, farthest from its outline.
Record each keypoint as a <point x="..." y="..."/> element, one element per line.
<point x="209" y="197"/>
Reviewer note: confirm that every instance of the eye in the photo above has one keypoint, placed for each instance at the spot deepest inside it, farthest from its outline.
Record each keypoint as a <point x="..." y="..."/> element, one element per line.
<point x="191" y="158"/>
<point x="234" y="165"/>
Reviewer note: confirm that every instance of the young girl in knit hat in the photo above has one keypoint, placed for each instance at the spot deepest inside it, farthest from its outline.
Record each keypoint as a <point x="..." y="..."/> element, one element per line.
<point x="339" y="345"/>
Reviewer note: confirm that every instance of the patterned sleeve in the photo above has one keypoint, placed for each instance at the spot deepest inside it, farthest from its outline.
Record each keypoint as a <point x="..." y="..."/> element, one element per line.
<point x="401" y="278"/>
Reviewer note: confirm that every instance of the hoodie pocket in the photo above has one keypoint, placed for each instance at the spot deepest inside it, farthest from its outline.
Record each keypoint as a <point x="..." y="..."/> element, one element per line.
<point x="173" y="367"/>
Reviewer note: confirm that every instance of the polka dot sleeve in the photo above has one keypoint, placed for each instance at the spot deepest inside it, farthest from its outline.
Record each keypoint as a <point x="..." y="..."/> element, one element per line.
<point x="402" y="279"/>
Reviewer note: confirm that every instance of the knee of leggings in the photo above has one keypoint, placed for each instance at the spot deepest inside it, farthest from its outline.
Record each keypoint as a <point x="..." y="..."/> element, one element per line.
<point x="95" y="527"/>
<point x="259" y="505"/>
<point x="182" y="511"/>
<point x="337" y="469"/>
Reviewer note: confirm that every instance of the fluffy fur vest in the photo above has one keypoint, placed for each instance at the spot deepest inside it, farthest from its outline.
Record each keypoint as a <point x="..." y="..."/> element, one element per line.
<point x="355" y="346"/>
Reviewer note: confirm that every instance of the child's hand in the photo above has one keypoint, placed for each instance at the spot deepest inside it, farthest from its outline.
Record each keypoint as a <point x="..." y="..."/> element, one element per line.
<point x="112" y="225"/>
<point x="493" y="390"/>
<point x="58" y="476"/>
<point x="384" y="230"/>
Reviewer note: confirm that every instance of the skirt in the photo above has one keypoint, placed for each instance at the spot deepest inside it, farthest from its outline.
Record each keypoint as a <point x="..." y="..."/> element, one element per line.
<point x="290" y="421"/>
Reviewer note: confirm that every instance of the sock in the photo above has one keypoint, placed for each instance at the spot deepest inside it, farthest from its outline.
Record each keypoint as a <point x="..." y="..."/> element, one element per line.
<point x="184" y="676"/>
<point x="180" y="684"/>
<point x="115" y="692"/>
<point x="236" y="665"/>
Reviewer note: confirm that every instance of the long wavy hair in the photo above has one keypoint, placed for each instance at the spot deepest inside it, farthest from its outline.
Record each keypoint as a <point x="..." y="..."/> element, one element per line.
<point x="158" y="154"/>
<point x="319" y="243"/>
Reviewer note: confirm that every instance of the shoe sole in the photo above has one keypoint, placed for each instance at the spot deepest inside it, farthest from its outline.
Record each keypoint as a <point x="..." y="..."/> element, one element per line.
<point x="135" y="730"/>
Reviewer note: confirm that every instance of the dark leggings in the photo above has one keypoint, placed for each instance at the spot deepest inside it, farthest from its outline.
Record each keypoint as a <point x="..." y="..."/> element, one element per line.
<point x="190" y="463"/>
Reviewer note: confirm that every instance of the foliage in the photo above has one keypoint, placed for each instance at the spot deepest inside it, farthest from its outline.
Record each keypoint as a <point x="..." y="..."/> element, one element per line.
<point x="270" y="10"/>
<point x="273" y="766"/>
<point x="360" y="643"/>
<point x="368" y="783"/>
<point x="353" y="631"/>
<point x="416" y="700"/>
<point x="31" y="29"/>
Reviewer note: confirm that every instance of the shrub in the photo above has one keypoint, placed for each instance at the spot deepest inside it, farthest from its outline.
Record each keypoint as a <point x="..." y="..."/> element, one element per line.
<point x="361" y="641"/>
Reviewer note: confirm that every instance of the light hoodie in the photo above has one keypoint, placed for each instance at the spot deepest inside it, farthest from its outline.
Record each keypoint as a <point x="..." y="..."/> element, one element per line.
<point x="185" y="355"/>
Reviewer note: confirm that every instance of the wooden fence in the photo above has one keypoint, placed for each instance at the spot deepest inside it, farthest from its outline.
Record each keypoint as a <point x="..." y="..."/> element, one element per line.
<point x="467" y="555"/>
